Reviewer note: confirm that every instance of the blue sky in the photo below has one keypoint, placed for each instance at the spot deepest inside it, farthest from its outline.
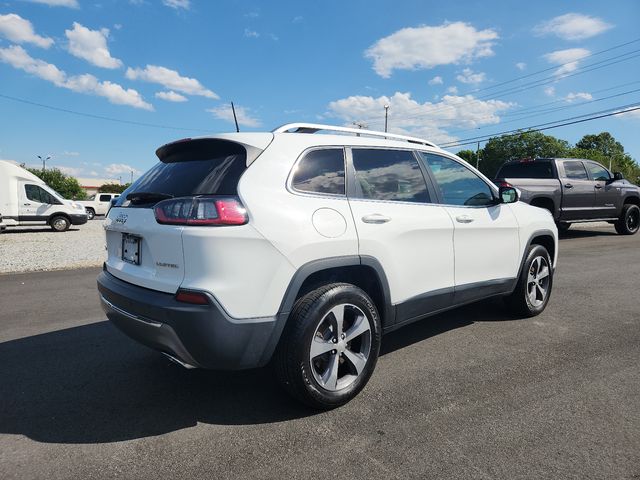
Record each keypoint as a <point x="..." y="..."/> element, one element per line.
<point x="178" y="63"/>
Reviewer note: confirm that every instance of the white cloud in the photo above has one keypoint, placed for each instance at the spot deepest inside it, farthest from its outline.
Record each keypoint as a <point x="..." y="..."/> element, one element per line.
<point x="120" y="168"/>
<point x="550" y="91"/>
<point x="170" y="79"/>
<point x="453" y="89"/>
<point x="91" y="45"/>
<point x="578" y="96"/>
<point x="177" y="4"/>
<point x="437" y="80"/>
<point x="171" y="96"/>
<point x="73" y="171"/>
<point x="426" y="47"/>
<point x="19" y="30"/>
<point x="427" y="120"/>
<point x="58" y="3"/>
<point x="251" y="33"/>
<point x="521" y="66"/>
<point x="568" y="59"/>
<point x="573" y="26"/>
<point x="297" y="19"/>
<point x="18" y="58"/>
<point x="245" y="118"/>
<point x="467" y="76"/>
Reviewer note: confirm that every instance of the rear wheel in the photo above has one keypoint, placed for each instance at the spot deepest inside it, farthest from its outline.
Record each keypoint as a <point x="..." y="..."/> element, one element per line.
<point x="629" y="221"/>
<point x="90" y="213"/>
<point x="60" y="223"/>
<point x="532" y="293"/>
<point x="330" y="346"/>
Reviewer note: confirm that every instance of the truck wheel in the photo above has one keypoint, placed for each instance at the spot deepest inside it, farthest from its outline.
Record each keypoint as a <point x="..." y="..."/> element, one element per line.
<point x="330" y="346"/>
<point x="90" y="213"/>
<point x="629" y="220"/>
<point x="60" y="224"/>
<point x="563" y="227"/>
<point x="534" y="285"/>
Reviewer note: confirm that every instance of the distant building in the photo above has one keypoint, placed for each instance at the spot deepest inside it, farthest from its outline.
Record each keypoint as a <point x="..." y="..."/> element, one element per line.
<point x="91" y="185"/>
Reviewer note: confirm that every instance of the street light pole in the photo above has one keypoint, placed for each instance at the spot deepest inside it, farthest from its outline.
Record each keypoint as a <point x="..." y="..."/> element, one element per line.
<point x="386" y="117"/>
<point x="44" y="160"/>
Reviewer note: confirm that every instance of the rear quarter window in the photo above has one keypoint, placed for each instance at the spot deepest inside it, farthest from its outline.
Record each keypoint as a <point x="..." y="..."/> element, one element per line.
<point x="320" y="171"/>
<point x="534" y="169"/>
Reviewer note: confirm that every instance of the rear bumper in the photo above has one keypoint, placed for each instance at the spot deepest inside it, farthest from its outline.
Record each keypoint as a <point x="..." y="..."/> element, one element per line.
<point x="79" y="219"/>
<point x="196" y="335"/>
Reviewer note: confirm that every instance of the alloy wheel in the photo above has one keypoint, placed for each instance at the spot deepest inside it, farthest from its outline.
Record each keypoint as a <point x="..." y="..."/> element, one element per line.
<point x="538" y="281"/>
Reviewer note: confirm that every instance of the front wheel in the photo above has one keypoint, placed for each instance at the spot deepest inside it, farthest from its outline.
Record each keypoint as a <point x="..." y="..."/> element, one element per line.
<point x="629" y="221"/>
<point x="330" y="346"/>
<point x="533" y="290"/>
<point x="60" y="224"/>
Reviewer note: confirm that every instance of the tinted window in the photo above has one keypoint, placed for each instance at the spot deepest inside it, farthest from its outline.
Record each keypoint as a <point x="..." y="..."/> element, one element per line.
<point x="105" y="198"/>
<point x="535" y="169"/>
<point x="389" y="175"/>
<point x="598" y="172"/>
<point x="320" y="171"/>
<point x="196" y="167"/>
<point x="37" y="194"/>
<point x="458" y="185"/>
<point x="575" y="170"/>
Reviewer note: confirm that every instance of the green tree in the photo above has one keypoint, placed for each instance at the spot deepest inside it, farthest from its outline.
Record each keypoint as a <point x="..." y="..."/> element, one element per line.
<point x="605" y="149"/>
<point x="65" y="185"/>
<point x="469" y="155"/>
<point x="113" y="188"/>
<point x="499" y="150"/>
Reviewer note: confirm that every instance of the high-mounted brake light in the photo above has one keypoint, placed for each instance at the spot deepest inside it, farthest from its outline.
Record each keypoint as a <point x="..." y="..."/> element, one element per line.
<point x="503" y="183"/>
<point x="203" y="211"/>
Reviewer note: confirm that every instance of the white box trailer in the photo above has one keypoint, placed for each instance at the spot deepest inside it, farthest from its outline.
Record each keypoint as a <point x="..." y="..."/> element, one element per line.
<point x="26" y="200"/>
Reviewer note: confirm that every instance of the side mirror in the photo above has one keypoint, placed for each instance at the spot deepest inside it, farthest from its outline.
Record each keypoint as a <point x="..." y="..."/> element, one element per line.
<point x="618" y="176"/>
<point x="508" y="195"/>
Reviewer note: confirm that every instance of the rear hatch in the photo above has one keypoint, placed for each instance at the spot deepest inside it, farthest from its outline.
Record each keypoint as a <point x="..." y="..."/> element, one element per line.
<point x="144" y="245"/>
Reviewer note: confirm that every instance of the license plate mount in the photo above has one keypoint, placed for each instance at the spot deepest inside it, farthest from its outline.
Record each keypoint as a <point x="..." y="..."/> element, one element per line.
<point x="131" y="248"/>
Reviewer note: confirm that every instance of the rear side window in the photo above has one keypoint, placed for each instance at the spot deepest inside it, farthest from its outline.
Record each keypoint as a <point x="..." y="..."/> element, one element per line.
<point x="458" y="185"/>
<point x="575" y="170"/>
<point x="535" y="169"/>
<point x="105" y="198"/>
<point x="195" y="167"/>
<point x="320" y="171"/>
<point x="389" y="175"/>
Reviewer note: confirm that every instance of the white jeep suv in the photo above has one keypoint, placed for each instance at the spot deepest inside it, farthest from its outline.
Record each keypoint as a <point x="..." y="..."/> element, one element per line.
<point x="303" y="248"/>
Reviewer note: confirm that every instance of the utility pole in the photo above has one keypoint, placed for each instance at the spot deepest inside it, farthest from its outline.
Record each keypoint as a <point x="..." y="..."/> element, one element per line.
<point x="386" y="117"/>
<point x="131" y="176"/>
<point x="44" y="160"/>
<point x="478" y="156"/>
<point x="360" y="125"/>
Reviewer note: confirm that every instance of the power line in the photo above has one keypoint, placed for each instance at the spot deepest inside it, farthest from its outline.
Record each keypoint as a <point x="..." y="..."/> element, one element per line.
<point x="101" y="117"/>
<point x="549" y="125"/>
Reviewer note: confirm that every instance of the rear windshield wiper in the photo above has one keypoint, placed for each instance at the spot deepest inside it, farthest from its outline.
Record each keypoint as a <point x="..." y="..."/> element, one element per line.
<point x="140" y="197"/>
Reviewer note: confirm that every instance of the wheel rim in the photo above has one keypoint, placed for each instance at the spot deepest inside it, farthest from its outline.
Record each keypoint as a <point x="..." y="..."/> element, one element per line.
<point x="538" y="281"/>
<point x="340" y="347"/>
<point x="633" y="219"/>
<point x="60" y="224"/>
<point x="90" y="214"/>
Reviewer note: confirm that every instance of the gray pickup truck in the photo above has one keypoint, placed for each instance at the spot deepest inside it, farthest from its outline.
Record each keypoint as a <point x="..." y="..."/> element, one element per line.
<point x="575" y="190"/>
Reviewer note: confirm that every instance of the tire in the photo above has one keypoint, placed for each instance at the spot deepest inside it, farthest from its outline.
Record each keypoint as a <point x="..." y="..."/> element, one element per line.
<point x="629" y="220"/>
<point x="90" y="213"/>
<point x="338" y="369"/>
<point x="60" y="223"/>
<point x="563" y="227"/>
<point x="533" y="290"/>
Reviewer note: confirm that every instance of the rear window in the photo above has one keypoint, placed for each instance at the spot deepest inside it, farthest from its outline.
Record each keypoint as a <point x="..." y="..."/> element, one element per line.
<point x="195" y="167"/>
<point x="535" y="169"/>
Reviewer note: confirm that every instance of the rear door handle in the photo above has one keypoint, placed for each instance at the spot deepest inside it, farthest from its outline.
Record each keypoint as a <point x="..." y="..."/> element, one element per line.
<point x="375" y="218"/>
<point x="568" y="185"/>
<point x="464" y="219"/>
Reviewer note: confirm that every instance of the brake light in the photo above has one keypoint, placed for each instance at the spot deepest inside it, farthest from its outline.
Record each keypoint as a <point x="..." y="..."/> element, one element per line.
<point x="204" y="211"/>
<point x="503" y="183"/>
<point x="196" y="298"/>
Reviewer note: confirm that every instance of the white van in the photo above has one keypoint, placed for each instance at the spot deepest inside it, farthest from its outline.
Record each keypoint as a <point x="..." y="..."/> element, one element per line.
<point x="26" y="200"/>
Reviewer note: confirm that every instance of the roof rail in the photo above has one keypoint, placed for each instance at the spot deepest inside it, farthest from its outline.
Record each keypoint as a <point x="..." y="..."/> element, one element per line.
<point x="316" y="127"/>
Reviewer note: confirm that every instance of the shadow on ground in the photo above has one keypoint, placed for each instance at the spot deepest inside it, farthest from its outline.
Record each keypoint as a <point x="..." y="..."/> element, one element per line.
<point x="14" y="231"/>
<point x="91" y="384"/>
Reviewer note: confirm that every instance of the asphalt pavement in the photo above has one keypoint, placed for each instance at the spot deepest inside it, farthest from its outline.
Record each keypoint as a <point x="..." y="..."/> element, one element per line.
<point x="473" y="393"/>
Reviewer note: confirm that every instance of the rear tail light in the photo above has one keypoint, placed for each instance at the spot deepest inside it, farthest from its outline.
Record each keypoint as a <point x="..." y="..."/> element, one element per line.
<point x="196" y="298"/>
<point x="503" y="183"/>
<point x="207" y="211"/>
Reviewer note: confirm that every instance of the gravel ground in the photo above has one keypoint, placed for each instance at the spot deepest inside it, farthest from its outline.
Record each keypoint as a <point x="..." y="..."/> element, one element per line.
<point x="31" y="249"/>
